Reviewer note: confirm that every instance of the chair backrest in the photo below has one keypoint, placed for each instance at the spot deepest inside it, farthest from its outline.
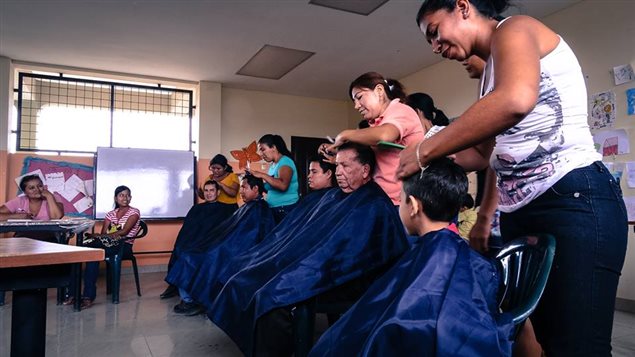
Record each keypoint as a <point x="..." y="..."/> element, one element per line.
<point x="143" y="230"/>
<point x="525" y="264"/>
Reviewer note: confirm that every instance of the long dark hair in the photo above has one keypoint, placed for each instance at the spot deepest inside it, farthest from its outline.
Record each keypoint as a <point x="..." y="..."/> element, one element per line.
<point x="488" y="8"/>
<point x="119" y="190"/>
<point x="221" y="160"/>
<point x="425" y="103"/>
<point x="272" y="140"/>
<point x="370" y="80"/>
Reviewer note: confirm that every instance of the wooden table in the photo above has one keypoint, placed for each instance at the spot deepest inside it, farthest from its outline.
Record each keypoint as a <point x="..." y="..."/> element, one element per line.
<point x="29" y="267"/>
<point x="62" y="229"/>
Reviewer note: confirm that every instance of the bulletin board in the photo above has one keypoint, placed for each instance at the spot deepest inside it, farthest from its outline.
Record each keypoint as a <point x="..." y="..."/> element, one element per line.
<point x="70" y="183"/>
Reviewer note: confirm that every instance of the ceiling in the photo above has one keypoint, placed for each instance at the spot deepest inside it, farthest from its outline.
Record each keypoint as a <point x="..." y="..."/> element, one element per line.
<point x="205" y="40"/>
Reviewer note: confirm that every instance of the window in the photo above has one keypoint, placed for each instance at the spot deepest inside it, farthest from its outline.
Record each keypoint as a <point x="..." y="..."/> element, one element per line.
<point x="65" y="114"/>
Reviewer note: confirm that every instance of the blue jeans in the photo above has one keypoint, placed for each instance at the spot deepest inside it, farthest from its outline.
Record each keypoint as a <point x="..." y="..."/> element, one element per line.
<point x="91" y="271"/>
<point x="281" y="211"/>
<point x="584" y="211"/>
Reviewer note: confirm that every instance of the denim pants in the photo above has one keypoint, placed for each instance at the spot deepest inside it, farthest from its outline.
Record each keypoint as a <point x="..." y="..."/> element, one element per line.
<point x="585" y="213"/>
<point x="281" y="211"/>
<point x="91" y="271"/>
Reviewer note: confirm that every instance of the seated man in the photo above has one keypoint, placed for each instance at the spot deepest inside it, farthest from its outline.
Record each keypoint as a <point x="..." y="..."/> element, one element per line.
<point x="246" y="227"/>
<point x="439" y="299"/>
<point x="353" y="233"/>
<point x="210" y="278"/>
<point x="200" y="219"/>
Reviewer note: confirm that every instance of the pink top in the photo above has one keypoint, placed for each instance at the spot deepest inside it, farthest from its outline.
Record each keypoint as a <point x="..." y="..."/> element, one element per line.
<point x="20" y="204"/>
<point x="119" y="223"/>
<point x="406" y="120"/>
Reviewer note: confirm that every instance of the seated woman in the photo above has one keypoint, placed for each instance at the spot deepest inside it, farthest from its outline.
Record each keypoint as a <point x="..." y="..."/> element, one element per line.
<point x="439" y="299"/>
<point x="209" y="278"/>
<point x="245" y="228"/>
<point x="352" y="233"/>
<point x="120" y="223"/>
<point x="197" y="223"/>
<point x="37" y="202"/>
<point x="228" y="181"/>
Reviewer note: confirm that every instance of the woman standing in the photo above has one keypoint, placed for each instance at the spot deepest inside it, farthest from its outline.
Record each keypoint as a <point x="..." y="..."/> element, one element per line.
<point x="381" y="103"/>
<point x="36" y="203"/>
<point x="430" y="116"/>
<point x="228" y="181"/>
<point x="281" y="181"/>
<point x="120" y="223"/>
<point x="533" y="108"/>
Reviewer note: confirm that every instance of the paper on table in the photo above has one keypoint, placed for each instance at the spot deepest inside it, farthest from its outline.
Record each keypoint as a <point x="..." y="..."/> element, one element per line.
<point x="83" y="204"/>
<point x="34" y="172"/>
<point x="88" y="186"/>
<point x="54" y="181"/>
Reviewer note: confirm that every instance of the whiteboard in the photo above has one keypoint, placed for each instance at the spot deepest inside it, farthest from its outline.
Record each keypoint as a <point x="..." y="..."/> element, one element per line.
<point x="161" y="181"/>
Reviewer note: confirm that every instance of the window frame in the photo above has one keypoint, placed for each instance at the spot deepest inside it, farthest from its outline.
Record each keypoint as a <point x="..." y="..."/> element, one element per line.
<point x="111" y="85"/>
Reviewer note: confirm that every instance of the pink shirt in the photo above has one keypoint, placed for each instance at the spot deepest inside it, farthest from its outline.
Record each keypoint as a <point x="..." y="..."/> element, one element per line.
<point x="406" y="120"/>
<point x="20" y="204"/>
<point x="119" y="223"/>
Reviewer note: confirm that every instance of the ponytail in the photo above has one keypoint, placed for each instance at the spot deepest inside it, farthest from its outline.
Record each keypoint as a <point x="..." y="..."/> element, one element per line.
<point x="488" y="8"/>
<point x="369" y="80"/>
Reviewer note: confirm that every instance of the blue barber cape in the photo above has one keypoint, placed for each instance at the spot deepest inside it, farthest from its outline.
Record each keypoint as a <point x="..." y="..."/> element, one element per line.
<point x="439" y="299"/>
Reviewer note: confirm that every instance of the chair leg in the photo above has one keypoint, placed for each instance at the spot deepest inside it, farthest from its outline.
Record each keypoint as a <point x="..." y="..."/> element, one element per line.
<point x="303" y="327"/>
<point x="136" y="274"/>
<point x="116" y="278"/>
<point x="108" y="278"/>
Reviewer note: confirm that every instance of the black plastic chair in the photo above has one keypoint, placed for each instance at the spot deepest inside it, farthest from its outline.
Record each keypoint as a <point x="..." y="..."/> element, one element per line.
<point x="524" y="264"/>
<point x="113" y="267"/>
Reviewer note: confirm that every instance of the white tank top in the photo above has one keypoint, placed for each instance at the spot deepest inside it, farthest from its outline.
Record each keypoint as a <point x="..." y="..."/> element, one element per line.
<point x="549" y="142"/>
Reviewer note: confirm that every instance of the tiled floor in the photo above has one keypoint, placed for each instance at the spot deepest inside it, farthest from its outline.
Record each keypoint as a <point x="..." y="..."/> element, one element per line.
<point x="146" y="326"/>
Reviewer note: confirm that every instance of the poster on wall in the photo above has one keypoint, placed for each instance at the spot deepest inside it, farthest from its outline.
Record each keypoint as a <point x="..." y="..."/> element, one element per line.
<point x="623" y="74"/>
<point x="630" y="101"/>
<point x="602" y="110"/>
<point x="612" y="142"/>
<point x="70" y="183"/>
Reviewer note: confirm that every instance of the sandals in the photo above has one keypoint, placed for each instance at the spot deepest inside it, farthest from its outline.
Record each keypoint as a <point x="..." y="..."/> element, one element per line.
<point x="86" y="303"/>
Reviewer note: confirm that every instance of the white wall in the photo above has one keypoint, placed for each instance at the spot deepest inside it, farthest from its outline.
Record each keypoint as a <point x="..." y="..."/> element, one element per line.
<point x="247" y="115"/>
<point x="602" y="34"/>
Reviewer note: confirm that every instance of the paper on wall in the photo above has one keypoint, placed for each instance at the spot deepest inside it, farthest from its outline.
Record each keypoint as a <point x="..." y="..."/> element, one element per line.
<point x="74" y="182"/>
<point x="602" y="110"/>
<point x="83" y="204"/>
<point x="630" y="208"/>
<point x="34" y="172"/>
<point x="612" y="142"/>
<point x="630" y="174"/>
<point x="623" y="74"/>
<point x="630" y="101"/>
<point x="90" y="189"/>
<point x="54" y="181"/>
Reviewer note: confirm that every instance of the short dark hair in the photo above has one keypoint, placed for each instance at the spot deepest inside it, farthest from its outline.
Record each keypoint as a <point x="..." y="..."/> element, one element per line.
<point x="488" y="8"/>
<point x="440" y="189"/>
<point x="274" y="140"/>
<point x="254" y="181"/>
<point x="221" y="160"/>
<point x="213" y="183"/>
<point x="365" y="155"/>
<point x="325" y="166"/>
<point x="119" y="190"/>
<point x="369" y="80"/>
<point x="26" y="179"/>
<point x="425" y="103"/>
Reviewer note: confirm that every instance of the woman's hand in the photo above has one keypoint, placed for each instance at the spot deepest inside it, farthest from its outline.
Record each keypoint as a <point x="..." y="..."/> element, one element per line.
<point x="329" y="156"/>
<point x="46" y="193"/>
<point x="258" y="174"/>
<point x="408" y="162"/>
<point x="479" y="234"/>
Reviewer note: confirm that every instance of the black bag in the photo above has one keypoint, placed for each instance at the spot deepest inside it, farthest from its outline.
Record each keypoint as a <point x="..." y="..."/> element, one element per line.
<point x="107" y="243"/>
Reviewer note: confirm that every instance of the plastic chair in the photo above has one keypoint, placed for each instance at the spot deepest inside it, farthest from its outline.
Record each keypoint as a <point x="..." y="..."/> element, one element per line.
<point x="524" y="264"/>
<point x="113" y="267"/>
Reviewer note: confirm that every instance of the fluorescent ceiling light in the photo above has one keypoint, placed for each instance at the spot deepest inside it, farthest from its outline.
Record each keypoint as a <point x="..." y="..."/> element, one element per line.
<point x="362" y="7"/>
<point x="274" y="62"/>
